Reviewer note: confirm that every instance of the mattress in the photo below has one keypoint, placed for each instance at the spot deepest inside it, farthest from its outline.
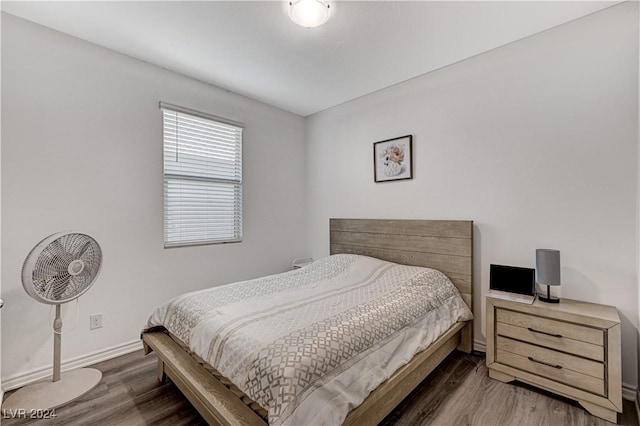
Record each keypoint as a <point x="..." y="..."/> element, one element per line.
<point x="309" y="345"/>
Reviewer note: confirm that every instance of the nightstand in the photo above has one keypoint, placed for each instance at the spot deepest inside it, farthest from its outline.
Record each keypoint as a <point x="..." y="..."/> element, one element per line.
<point x="571" y="348"/>
<point x="301" y="262"/>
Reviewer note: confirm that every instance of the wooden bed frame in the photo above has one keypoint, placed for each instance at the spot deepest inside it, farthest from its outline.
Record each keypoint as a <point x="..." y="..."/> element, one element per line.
<point x="440" y="244"/>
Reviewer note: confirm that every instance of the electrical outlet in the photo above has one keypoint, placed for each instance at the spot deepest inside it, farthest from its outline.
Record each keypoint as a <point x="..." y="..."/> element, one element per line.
<point x="95" y="321"/>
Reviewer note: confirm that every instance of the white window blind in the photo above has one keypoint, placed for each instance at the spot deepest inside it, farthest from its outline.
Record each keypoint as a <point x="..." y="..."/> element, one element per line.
<point x="202" y="178"/>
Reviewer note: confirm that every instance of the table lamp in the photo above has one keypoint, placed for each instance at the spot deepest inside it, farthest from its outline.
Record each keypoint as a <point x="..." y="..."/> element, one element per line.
<point x="548" y="272"/>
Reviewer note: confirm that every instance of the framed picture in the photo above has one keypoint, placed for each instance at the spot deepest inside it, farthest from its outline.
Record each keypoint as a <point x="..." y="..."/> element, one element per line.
<point x="393" y="159"/>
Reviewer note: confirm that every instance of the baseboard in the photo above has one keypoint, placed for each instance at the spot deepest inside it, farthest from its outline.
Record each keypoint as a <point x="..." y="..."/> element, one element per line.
<point x="479" y="346"/>
<point x="25" y="378"/>
<point x="629" y="392"/>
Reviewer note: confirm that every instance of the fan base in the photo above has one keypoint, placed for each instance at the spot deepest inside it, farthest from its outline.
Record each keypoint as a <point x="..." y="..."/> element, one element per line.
<point x="47" y="395"/>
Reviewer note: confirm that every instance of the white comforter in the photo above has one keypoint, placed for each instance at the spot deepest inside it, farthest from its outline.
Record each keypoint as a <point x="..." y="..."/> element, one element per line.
<point x="309" y="345"/>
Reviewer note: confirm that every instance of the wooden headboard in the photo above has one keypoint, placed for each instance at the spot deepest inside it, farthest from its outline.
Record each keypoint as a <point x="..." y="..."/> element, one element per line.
<point x="445" y="245"/>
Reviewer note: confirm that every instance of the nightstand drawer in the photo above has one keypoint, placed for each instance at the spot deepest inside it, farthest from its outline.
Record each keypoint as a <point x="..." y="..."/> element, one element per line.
<point x="577" y="372"/>
<point x="565" y="344"/>
<point x="551" y="327"/>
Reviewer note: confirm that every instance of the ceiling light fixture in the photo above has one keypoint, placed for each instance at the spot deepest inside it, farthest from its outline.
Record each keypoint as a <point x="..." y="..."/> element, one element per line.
<point x="309" y="13"/>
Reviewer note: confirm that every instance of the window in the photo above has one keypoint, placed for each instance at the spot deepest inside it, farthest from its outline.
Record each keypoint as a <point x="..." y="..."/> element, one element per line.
<point x="202" y="178"/>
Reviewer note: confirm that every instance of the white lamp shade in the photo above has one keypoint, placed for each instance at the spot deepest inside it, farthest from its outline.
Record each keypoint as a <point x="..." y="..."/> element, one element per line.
<point x="309" y="13"/>
<point x="548" y="267"/>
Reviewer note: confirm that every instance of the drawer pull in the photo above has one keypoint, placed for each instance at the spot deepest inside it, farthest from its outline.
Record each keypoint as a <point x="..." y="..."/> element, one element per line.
<point x="545" y="363"/>
<point x="544" y="332"/>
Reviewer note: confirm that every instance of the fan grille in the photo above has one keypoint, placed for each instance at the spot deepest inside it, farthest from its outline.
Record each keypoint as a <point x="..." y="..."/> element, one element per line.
<point x="51" y="277"/>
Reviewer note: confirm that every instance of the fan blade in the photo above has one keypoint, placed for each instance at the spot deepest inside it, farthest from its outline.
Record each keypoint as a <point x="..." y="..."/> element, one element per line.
<point x="76" y="244"/>
<point x="89" y="252"/>
<point x="88" y="256"/>
<point x="55" y="286"/>
<point x="48" y="258"/>
<point x="62" y="283"/>
<point x="82" y="253"/>
<point x="92" y="265"/>
<point x="44" y="270"/>
<point x="80" y="282"/>
<point x="59" y="253"/>
<point x="68" y="242"/>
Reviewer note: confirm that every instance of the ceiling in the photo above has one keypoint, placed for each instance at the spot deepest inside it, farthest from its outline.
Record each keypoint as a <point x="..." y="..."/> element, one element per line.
<point x="252" y="48"/>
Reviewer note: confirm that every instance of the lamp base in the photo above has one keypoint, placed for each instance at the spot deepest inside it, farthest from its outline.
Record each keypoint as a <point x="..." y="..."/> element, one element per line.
<point x="548" y="299"/>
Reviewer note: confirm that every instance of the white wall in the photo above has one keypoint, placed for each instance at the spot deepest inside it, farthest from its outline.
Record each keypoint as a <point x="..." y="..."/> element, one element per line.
<point x="638" y="234"/>
<point x="1" y="389"/>
<point x="82" y="150"/>
<point x="535" y="141"/>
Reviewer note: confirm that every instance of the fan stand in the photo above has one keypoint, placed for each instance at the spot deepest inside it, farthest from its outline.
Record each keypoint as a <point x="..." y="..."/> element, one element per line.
<point x="61" y="389"/>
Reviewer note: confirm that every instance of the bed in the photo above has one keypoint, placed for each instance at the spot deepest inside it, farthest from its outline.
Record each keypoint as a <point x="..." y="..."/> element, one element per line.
<point x="446" y="246"/>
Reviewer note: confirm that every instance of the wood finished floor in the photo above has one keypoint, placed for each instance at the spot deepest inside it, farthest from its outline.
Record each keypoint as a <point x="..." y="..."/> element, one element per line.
<point x="457" y="393"/>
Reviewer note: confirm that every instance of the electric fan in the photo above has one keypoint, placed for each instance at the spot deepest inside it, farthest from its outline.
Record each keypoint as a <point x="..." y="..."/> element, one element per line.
<point x="58" y="270"/>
